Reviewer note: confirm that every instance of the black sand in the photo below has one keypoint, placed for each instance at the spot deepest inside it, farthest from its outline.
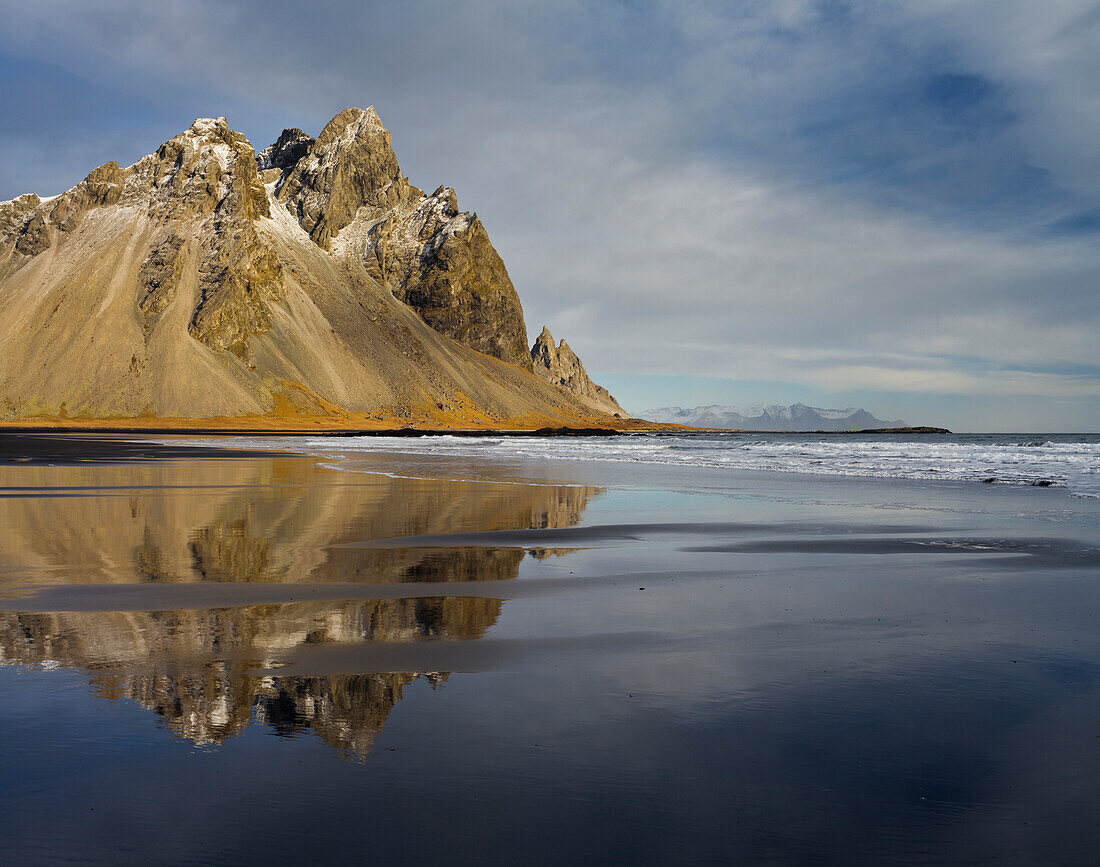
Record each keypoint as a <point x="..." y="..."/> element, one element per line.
<point x="215" y="655"/>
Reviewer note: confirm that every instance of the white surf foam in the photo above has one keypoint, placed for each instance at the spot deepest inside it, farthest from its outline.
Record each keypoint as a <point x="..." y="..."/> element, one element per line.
<point x="1066" y="462"/>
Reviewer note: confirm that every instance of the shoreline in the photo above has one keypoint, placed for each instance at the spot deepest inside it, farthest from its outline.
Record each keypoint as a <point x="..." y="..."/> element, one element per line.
<point x="329" y="426"/>
<point x="238" y="426"/>
<point x="318" y="432"/>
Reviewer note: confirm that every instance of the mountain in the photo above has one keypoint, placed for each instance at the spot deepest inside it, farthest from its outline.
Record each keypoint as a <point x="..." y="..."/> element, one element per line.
<point x="796" y="417"/>
<point x="561" y="366"/>
<point x="312" y="279"/>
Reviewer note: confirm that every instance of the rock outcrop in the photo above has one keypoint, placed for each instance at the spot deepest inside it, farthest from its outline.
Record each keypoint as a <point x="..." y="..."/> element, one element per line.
<point x="103" y="186"/>
<point x="561" y="366"/>
<point x="349" y="166"/>
<point x="206" y="280"/>
<point x="440" y="262"/>
<point x="288" y="149"/>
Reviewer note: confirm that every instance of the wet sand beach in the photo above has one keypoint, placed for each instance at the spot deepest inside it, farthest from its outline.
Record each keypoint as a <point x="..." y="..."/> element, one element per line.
<point x="215" y="654"/>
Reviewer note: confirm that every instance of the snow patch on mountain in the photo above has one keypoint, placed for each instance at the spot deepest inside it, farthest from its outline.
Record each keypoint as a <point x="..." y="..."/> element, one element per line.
<point x="761" y="416"/>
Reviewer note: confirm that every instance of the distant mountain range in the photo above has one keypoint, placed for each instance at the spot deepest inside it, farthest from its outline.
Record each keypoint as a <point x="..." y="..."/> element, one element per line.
<point x="759" y="416"/>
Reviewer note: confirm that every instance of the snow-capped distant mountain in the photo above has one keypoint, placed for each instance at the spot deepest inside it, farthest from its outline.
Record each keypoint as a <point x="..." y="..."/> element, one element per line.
<point x="759" y="416"/>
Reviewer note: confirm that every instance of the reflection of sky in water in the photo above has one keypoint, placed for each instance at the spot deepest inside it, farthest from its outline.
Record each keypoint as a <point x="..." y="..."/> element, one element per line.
<point x="785" y="705"/>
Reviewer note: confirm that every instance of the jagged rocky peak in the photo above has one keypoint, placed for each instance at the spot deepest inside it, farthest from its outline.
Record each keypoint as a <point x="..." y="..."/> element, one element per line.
<point x="211" y="170"/>
<point x="560" y="365"/>
<point x="351" y="165"/>
<point x="201" y="182"/>
<point x="207" y="168"/>
<point x="32" y="221"/>
<point x="440" y="262"/>
<point x="291" y="145"/>
<point x="428" y="253"/>
<point x="102" y="186"/>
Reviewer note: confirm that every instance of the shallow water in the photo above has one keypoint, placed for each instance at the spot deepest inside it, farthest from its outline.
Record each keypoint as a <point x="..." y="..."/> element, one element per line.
<point x="508" y="657"/>
<point x="1069" y="461"/>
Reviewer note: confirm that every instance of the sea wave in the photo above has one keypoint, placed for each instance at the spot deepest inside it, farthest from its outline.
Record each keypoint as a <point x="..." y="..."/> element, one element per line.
<point x="1070" y="461"/>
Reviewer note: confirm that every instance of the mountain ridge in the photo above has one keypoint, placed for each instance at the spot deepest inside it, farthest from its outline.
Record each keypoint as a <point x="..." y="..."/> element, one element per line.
<point x="311" y="279"/>
<point x="767" y="417"/>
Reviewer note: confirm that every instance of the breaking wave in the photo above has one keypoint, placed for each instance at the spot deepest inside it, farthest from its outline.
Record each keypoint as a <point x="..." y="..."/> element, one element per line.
<point x="1064" y="461"/>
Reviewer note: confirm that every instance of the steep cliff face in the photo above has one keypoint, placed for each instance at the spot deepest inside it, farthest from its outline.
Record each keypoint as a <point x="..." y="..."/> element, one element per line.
<point x="430" y="255"/>
<point x="440" y="262"/>
<point x="561" y="366"/>
<point x="350" y="165"/>
<point x="204" y="280"/>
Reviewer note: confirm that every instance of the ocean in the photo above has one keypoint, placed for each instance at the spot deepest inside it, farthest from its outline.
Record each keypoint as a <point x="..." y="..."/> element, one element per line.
<point x="1070" y="461"/>
<point x="652" y="649"/>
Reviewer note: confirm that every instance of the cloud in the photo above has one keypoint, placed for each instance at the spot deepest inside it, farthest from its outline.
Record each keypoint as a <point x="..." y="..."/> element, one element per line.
<point x="897" y="196"/>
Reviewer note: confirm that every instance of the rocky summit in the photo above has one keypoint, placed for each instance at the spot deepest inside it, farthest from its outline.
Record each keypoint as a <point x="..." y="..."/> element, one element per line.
<point x="561" y="366"/>
<point x="313" y="279"/>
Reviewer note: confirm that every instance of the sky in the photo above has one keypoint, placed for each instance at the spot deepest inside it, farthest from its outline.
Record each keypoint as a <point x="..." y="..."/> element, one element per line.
<point x="893" y="205"/>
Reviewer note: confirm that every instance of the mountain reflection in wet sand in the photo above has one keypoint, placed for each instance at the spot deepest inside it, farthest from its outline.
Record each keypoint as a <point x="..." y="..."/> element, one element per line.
<point x="258" y="521"/>
<point x="722" y="665"/>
